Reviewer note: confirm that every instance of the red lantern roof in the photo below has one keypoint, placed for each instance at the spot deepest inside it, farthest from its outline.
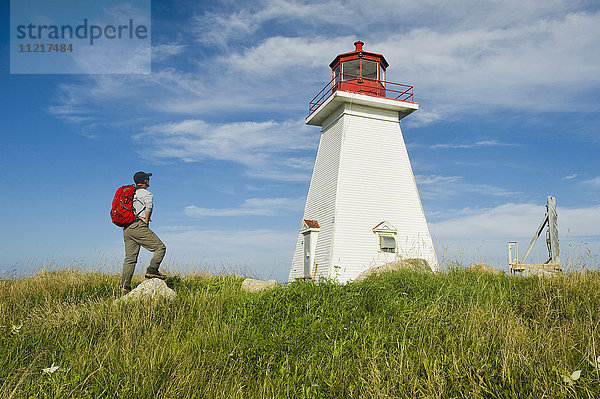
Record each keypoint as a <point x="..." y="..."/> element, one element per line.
<point x="359" y="53"/>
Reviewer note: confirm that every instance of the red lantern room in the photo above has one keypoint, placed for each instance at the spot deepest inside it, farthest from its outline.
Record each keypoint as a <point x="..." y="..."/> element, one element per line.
<point x="359" y="72"/>
<point x="362" y="72"/>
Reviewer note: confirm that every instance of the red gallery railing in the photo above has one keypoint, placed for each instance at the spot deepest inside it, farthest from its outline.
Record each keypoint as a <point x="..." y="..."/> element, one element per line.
<point x="361" y="85"/>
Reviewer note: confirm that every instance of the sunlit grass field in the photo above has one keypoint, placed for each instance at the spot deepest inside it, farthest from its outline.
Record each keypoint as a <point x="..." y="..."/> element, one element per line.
<point x="403" y="334"/>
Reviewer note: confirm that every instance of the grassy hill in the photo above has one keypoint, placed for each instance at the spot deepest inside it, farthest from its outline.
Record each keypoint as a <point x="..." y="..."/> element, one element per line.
<point x="403" y="334"/>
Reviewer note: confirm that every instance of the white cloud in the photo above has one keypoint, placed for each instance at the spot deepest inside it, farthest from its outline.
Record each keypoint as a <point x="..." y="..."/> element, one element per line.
<point x="424" y="117"/>
<point x="481" y="143"/>
<point x="512" y="67"/>
<point x="263" y="252"/>
<point x="570" y="177"/>
<point x="505" y="221"/>
<point x="512" y="221"/>
<point x="251" y="207"/>
<point x="595" y="182"/>
<point x="222" y="28"/>
<point x="161" y="52"/>
<point x="436" y="186"/>
<point x="482" y="235"/>
<point x="579" y="222"/>
<point x="436" y="179"/>
<point x="283" y="55"/>
<point x="270" y="149"/>
<point x="460" y="58"/>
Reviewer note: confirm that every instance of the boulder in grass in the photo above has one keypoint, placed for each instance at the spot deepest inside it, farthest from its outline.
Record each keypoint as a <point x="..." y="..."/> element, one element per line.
<point x="253" y="285"/>
<point x="485" y="268"/>
<point x="414" y="264"/>
<point x="150" y="289"/>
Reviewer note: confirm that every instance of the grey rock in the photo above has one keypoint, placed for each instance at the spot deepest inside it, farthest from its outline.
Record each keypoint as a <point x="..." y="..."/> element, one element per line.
<point x="150" y="289"/>
<point x="485" y="268"/>
<point x="253" y="285"/>
<point x="414" y="264"/>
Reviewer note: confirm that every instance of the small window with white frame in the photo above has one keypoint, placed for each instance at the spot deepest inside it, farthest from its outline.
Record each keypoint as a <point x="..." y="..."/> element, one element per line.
<point x="386" y="233"/>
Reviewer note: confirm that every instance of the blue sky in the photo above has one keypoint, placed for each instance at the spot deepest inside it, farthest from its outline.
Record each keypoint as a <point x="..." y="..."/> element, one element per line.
<point x="508" y="94"/>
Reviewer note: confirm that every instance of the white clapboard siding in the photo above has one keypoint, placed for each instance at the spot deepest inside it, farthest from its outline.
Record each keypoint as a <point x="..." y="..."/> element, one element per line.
<point x="320" y="203"/>
<point x="362" y="177"/>
<point x="376" y="184"/>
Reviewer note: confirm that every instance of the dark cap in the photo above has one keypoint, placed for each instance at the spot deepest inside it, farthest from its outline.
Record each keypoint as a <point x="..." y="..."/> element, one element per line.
<point x="141" y="177"/>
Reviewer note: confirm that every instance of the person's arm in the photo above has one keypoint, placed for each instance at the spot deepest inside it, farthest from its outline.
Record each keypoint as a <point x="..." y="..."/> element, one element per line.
<point x="148" y="202"/>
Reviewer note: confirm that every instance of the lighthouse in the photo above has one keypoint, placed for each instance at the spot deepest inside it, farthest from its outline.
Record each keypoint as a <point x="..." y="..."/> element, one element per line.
<point x="363" y="208"/>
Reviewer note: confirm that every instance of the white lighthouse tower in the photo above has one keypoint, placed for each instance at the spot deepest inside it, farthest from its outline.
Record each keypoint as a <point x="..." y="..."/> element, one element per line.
<point x="363" y="208"/>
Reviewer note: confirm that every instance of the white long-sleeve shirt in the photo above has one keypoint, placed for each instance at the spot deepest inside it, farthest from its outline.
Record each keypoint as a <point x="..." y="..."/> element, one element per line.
<point x="142" y="202"/>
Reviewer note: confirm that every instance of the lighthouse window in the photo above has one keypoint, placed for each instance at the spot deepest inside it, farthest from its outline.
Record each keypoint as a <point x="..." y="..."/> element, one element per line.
<point x="369" y="69"/>
<point x="387" y="244"/>
<point x="350" y="69"/>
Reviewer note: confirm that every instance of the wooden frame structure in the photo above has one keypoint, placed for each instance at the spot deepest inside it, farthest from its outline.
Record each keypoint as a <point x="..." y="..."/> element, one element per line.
<point x="553" y="262"/>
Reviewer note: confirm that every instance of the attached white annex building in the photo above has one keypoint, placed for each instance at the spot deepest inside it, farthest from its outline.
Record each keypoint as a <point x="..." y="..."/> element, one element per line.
<point x="363" y="208"/>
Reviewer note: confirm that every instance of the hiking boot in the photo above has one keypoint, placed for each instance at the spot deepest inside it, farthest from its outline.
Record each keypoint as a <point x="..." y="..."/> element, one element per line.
<point x="156" y="274"/>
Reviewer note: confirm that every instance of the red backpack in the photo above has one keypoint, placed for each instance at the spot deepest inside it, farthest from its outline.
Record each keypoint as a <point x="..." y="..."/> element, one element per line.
<point x="122" y="212"/>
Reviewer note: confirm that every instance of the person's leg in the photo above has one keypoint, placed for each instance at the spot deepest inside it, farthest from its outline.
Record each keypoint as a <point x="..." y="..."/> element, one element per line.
<point x="132" y="250"/>
<point x="149" y="240"/>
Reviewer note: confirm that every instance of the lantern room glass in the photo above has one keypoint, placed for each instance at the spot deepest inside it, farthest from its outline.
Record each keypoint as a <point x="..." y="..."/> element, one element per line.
<point x="360" y="68"/>
<point x="350" y="69"/>
<point x="369" y="69"/>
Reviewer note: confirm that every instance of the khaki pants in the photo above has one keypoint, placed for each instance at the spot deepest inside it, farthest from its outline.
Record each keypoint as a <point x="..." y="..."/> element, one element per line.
<point x="135" y="235"/>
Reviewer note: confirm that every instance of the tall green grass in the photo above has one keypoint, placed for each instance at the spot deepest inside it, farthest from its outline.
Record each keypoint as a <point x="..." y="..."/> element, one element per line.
<point x="403" y="334"/>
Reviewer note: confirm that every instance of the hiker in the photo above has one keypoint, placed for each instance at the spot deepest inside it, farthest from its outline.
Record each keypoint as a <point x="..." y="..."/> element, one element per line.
<point x="139" y="234"/>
